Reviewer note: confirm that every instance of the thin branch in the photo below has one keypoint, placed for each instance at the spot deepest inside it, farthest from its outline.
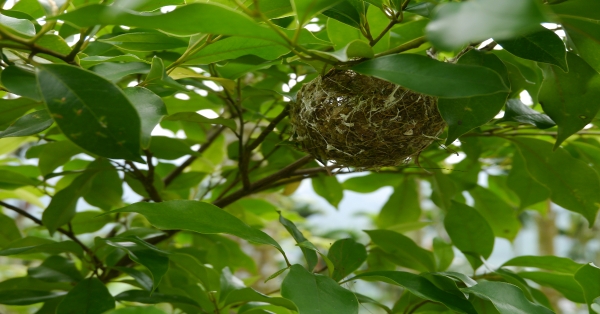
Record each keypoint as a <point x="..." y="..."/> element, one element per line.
<point x="263" y="135"/>
<point x="147" y="182"/>
<point x="415" y="43"/>
<point x="213" y="134"/>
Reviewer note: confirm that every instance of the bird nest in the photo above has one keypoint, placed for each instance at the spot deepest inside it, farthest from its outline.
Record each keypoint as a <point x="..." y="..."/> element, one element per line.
<point x="361" y="121"/>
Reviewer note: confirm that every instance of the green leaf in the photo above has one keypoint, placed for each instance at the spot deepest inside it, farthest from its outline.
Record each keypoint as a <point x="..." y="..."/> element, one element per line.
<point x="115" y="72"/>
<point x="402" y="207"/>
<point x="311" y="256"/>
<point x="61" y="209"/>
<point x="250" y="295"/>
<point x="198" y="118"/>
<point x="329" y="188"/>
<point x="89" y="221"/>
<point x="150" y="109"/>
<point x="91" y="61"/>
<point x="100" y="120"/>
<point x="143" y="279"/>
<point x="32" y="245"/>
<point x="443" y="253"/>
<point x="30" y="124"/>
<point x="347" y="12"/>
<point x="197" y="217"/>
<point x="205" y="275"/>
<point x="189" y="19"/>
<point x="354" y="49"/>
<point x="56" y="154"/>
<point x="464" y="114"/>
<point x="372" y="182"/>
<point x="163" y="147"/>
<point x="420" y="287"/>
<point x="563" y="283"/>
<point x="455" y="25"/>
<point x="26" y="297"/>
<point x="106" y="189"/>
<point x="137" y="310"/>
<point x="9" y="232"/>
<point x="407" y="32"/>
<point x="431" y="77"/>
<point x="313" y="293"/>
<point x="17" y="26"/>
<point x="518" y="112"/>
<point x="235" y="47"/>
<point x="141" y="296"/>
<point x="499" y="215"/>
<point x="10" y="180"/>
<point x="574" y="188"/>
<point x="145" y="41"/>
<point x="307" y="9"/>
<point x="11" y="109"/>
<point x="89" y="296"/>
<point x="528" y="190"/>
<point x="570" y="98"/>
<point x="155" y="260"/>
<point x="507" y="299"/>
<point x="341" y="34"/>
<point x="347" y="256"/>
<point x="553" y="263"/>
<point x="403" y="250"/>
<point x="588" y="277"/>
<point x="21" y="81"/>
<point x="56" y="269"/>
<point x="541" y="46"/>
<point x="475" y="238"/>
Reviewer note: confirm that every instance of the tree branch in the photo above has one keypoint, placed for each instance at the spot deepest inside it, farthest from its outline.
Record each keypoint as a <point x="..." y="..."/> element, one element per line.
<point x="147" y="182"/>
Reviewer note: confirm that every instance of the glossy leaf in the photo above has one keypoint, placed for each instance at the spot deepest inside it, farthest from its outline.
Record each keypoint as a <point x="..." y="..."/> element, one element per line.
<point x="588" y="277"/>
<point x="507" y="299"/>
<point x="106" y="188"/>
<point x="455" y="25"/>
<point x="26" y="297"/>
<point x="11" y="109"/>
<point x="150" y="109"/>
<point x="56" y="154"/>
<point x="428" y="76"/>
<point x="32" y="245"/>
<point x="250" y="295"/>
<point x="30" y="124"/>
<point x="404" y="251"/>
<point x="528" y="190"/>
<point x="443" y="253"/>
<point x="499" y="215"/>
<point x="234" y="47"/>
<point x="9" y="231"/>
<point x="163" y="147"/>
<point x="563" y="283"/>
<point x="17" y="26"/>
<point x="56" y="269"/>
<point x="347" y="256"/>
<point x="541" y="46"/>
<point x="516" y="111"/>
<point x="83" y="115"/>
<point x="553" y="263"/>
<point x="402" y="207"/>
<point x="475" y="239"/>
<point x="198" y="118"/>
<point x="309" y="255"/>
<point x="145" y="41"/>
<point x="570" y="98"/>
<point x="21" y="82"/>
<point x="141" y="296"/>
<point x="198" y="217"/>
<point x="464" y="114"/>
<point x="10" y="180"/>
<point x="89" y="296"/>
<point x="574" y="188"/>
<point x="306" y="9"/>
<point x="89" y="221"/>
<point x="420" y="287"/>
<point x="329" y="188"/>
<point x="314" y="293"/>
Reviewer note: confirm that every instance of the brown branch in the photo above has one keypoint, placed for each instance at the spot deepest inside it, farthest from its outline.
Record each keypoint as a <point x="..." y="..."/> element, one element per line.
<point x="213" y="134"/>
<point x="263" y="135"/>
<point x="415" y="43"/>
<point x="147" y="182"/>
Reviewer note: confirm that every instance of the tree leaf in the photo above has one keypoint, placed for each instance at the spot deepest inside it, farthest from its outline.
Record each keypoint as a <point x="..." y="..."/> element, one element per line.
<point x="30" y="124"/>
<point x="464" y="114"/>
<point x="528" y="190"/>
<point x="309" y="255"/>
<point x="163" y="147"/>
<point x="18" y="26"/>
<point x="431" y="77"/>
<point x="499" y="215"/>
<point x="208" y="276"/>
<point x="89" y="296"/>
<point x="62" y="206"/>
<point x="145" y="41"/>
<point x="457" y="24"/>
<point x="89" y="221"/>
<point x="518" y="112"/>
<point x="553" y="263"/>
<point x="402" y="207"/>
<point x="235" y="47"/>
<point x="11" y="109"/>
<point x="250" y="295"/>
<point x="354" y="49"/>
<point x="588" y="277"/>
<point x="405" y="251"/>
<point x="198" y="217"/>
<point x="329" y="188"/>
<point x="574" y="188"/>
<point x="313" y="293"/>
<point x="507" y="299"/>
<point x="32" y="245"/>
<point x="149" y="107"/>
<point x="443" y="253"/>
<point x="541" y="46"/>
<point x="56" y="154"/>
<point x="141" y="296"/>
<point x="106" y="189"/>
<point x="116" y="71"/>
<point x="371" y="182"/>
<point x="307" y="9"/>
<point x="56" y="269"/>
<point x="570" y="98"/>
<point x="420" y="287"/>
<point x="346" y="12"/>
<point x="198" y="118"/>
<point x="26" y="297"/>
<point x="9" y="232"/>
<point x="91" y="61"/>
<point x="21" y="82"/>
<point x="10" y="180"/>
<point x="83" y="115"/>
<point x="347" y="256"/>
<point x="475" y="238"/>
<point x="563" y="283"/>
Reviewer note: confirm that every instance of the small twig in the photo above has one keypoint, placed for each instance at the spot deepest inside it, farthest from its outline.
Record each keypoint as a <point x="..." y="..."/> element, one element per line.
<point x="147" y="182"/>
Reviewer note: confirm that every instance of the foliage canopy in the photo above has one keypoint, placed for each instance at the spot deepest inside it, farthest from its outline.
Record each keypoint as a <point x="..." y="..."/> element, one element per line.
<point x="179" y="217"/>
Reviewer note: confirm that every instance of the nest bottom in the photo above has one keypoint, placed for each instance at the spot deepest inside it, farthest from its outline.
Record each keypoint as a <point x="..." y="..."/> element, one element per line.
<point x="361" y="121"/>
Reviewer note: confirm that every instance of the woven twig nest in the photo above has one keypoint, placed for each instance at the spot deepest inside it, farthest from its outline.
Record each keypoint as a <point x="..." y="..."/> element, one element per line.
<point x="361" y="121"/>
